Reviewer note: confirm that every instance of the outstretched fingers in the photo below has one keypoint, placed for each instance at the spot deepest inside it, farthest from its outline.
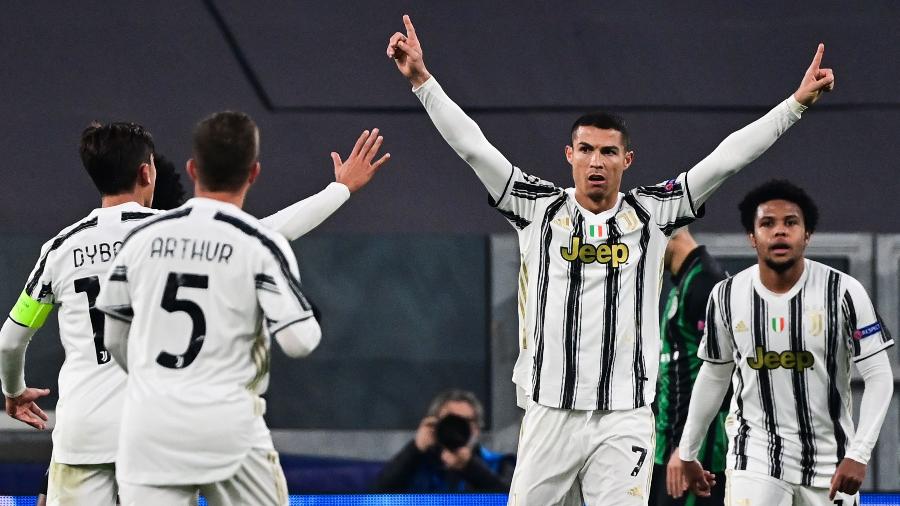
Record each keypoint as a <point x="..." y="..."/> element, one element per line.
<point x="359" y="143"/>
<point x="373" y="149"/>
<point x="381" y="161"/>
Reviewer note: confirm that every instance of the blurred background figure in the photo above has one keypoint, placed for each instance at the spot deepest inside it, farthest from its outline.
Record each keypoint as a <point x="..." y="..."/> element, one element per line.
<point x="445" y="455"/>
<point x="693" y="273"/>
<point x="169" y="192"/>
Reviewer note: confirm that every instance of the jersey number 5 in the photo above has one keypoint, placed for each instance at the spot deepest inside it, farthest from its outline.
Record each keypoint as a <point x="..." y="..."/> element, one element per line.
<point x="172" y="304"/>
<point x="90" y="286"/>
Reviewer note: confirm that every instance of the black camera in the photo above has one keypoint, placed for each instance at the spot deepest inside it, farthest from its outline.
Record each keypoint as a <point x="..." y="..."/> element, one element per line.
<point x="453" y="432"/>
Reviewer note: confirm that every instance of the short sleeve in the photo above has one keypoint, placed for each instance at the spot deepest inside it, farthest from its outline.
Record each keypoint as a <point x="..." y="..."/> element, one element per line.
<point x="39" y="285"/>
<point x="669" y="203"/>
<point x="522" y="196"/>
<point x="717" y="344"/>
<point x="278" y="289"/>
<point x="865" y="330"/>
<point x="115" y="295"/>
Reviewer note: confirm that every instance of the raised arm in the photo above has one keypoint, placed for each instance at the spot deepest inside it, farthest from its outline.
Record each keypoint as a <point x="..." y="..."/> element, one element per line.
<point x="459" y="130"/>
<point x="298" y="219"/>
<point x="742" y="147"/>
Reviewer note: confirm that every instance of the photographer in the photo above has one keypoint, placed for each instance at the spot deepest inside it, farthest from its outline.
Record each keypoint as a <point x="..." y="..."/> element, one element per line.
<point x="445" y="455"/>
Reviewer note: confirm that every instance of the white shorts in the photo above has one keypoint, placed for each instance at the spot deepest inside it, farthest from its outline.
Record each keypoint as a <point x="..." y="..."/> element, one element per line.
<point x="570" y="457"/>
<point x="259" y="481"/>
<point x="81" y="485"/>
<point x="749" y="488"/>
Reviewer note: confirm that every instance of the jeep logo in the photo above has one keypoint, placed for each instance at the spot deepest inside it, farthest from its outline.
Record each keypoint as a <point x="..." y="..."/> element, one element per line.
<point x="614" y="254"/>
<point x="797" y="360"/>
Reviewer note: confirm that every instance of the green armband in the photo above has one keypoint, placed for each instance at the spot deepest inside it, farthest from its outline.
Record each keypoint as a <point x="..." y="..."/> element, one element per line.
<point x="30" y="312"/>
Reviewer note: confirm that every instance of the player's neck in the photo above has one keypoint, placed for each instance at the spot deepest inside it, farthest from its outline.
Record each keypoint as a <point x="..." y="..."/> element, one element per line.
<point x="122" y="198"/>
<point x="235" y="198"/>
<point x="781" y="281"/>
<point x="597" y="206"/>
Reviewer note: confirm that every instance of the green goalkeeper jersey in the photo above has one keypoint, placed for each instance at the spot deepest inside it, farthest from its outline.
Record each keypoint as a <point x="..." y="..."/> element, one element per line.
<point x="681" y="329"/>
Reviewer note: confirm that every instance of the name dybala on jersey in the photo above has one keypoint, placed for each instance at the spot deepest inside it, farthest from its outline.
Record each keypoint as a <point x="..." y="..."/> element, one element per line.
<point x="588" y="290"/>
<point x="68" y="274"/>
<point x="791" y="410"/>
<point x="204" y="287"/>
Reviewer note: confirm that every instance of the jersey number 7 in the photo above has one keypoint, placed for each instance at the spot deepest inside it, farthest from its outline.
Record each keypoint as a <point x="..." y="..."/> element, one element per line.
<point x="172" y="304"/>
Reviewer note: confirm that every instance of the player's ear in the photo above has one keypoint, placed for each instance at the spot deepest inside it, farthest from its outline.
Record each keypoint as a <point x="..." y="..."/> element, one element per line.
<point x="145" y="174"/>
<point x="254" y="172"/>
<point x="629" y="159"/>
<point x="752" y="239"/>
<point x="191" y="167"/>
<point x="569" y="152"/>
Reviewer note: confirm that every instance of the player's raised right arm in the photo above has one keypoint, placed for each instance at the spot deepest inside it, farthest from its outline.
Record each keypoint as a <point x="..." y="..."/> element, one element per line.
<point x="459" y="130"/>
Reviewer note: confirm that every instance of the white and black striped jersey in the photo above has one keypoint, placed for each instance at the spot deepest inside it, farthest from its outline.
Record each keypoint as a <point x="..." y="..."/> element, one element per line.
<point x="204" y="288"/>
<point x="589" y="291"/>
<point x="70" y="273"/>
<point x="791" y="410"/>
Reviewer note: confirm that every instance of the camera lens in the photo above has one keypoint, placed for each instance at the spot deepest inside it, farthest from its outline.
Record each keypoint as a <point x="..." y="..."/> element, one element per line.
<point x="453" y="432"/>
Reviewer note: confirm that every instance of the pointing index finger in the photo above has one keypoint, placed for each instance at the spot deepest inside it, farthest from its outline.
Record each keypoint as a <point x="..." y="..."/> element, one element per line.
<point x="410" y="29"/>
<point x="817" y="59"/>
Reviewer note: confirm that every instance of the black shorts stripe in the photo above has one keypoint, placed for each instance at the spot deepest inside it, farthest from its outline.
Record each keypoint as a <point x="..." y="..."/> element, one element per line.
<point x="766" y="388"/>
<point x="543" y="282"/>
<point x="136" y="215"/>
<point x="801" y="396"/>
<point x="572" y="321"/>
<point x="610" y="314"/>
<point x="280" y="259"/>
<point x="640" y="366"/>
<point x="57" y="242"/>
<point x="832" y="341"/>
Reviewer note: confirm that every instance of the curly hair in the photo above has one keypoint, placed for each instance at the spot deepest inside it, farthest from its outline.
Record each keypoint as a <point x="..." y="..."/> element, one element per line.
<point x="778" y="189"/>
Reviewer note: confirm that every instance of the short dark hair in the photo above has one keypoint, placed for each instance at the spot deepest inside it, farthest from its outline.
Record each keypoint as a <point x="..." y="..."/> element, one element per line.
<point x="457" y="395"/>
<point x="604" y="121"/>
<point x="226" y="145"/>
<point x="169" y="192"/>
<point x="112" y="154"/>
<point x="778" y="189"/>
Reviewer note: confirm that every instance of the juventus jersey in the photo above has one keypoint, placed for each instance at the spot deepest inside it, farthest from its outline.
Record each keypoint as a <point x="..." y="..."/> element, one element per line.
<point x="588" y="291"/>
<point x="791" y="410"/>
<point x="70" y="273"/>
<point x="204" y="287"/>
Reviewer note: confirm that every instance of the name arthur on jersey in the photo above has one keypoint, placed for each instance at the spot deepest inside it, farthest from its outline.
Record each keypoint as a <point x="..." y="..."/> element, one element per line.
<point x="185" y="248"/>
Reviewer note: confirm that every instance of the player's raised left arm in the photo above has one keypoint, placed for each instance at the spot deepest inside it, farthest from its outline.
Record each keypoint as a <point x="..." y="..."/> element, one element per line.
<point x="742" y="147"/>
<point x="350" y="175"/>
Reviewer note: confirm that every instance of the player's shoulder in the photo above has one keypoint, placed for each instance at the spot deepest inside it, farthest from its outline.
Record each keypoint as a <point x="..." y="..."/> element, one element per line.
<point x="153" y="219"/>
<point x="63" y="236"/>
<point x="665" y="190"/>
<point x="253" y="231"/>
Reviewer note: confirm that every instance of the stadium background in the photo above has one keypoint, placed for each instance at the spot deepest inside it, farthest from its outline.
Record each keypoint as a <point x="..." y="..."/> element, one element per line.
<point x="414" y="273"/>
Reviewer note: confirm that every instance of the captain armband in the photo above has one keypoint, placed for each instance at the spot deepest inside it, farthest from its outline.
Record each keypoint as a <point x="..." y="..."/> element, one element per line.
<point x="29" y="312"/>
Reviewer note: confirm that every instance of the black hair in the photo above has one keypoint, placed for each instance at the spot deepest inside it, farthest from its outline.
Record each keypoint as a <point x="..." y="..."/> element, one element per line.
<point x="169" y="192"/>
<point x="604" y="121"/>
<point x="113" y="153"/>
<point x="778" y="189"/>
<point x="226" y="145"/>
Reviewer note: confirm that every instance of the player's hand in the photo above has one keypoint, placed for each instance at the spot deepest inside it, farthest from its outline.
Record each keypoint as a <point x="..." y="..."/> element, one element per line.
<point x="24" y="409"/>
<point x="425" y="438"/>
<point x="816" y="80"/>
<point x="407" y="54"/>
<point x="358" y="169"/>
<point x="675" y="481"/>
<point x="848" y="477"/>
<point x="458" y="459"/>
<point x="699" y="480"/>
